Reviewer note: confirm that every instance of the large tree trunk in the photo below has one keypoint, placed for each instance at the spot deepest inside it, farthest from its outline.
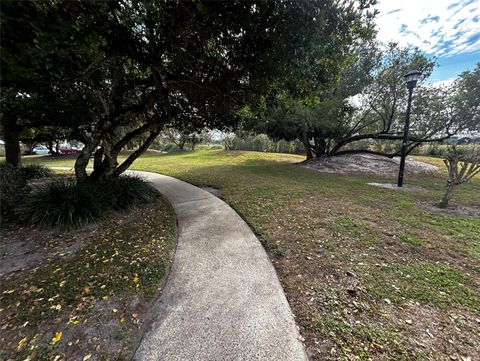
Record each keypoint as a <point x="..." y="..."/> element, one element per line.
<point x="50" y="147"/>
<point x="193" y="143"/>
<point x="306" y="144"/>
<point x="12" y="142"/>
<point x="97" y="160"/>
<point x="82" y="161"/>
<point x="320" y="147"/>
<point x="309" y="152"/>
<point x="448" y="194"/>
<point x="81" y="166"/>
<point x="104" y="161"/>
<point x="181" y="144"/>
<point x="132" y="157"/>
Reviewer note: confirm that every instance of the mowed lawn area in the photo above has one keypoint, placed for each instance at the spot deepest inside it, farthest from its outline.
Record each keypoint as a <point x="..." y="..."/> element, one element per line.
<point x="368" y="272"/>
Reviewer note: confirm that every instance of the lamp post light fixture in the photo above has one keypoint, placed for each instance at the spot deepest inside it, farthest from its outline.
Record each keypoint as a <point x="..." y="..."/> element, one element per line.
<point x="411" y="78"/>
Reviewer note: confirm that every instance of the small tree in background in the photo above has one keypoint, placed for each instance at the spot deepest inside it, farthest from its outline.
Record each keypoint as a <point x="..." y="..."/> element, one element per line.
<point x="199" y="137"/>
<point x="229" y="140"/>
<point x="177" y="137"/>
<point x="461" y="168"/>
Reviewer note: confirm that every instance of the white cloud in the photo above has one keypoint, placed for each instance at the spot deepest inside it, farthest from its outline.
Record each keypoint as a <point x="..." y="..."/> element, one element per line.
<point x="444" y="83"/>
<point x="438" y="27"/>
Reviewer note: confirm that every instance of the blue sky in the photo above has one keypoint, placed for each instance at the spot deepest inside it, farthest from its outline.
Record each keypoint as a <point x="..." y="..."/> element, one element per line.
<point x="446" y="29"/>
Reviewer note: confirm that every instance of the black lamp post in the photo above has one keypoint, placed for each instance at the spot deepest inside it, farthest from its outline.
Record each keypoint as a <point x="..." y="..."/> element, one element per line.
<point x="411" y="78"/>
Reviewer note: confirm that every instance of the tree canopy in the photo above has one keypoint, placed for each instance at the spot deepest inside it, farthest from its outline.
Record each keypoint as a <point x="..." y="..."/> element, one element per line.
<point x="368" y="104"/>
<point x="115" y="70"/>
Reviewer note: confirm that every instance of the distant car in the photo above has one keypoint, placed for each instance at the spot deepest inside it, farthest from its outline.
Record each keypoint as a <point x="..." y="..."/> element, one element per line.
<point x="67" y="150"/>
<point x="40" y="149"/>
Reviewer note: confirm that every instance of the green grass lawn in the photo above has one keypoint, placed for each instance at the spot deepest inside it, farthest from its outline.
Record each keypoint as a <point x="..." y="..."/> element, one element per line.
<point x="368" y="272"/>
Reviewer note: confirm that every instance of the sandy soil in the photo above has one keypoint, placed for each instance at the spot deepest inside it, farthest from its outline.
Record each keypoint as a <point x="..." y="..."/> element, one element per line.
<point x="453" y="210"/>
<point x="22" y="248"/>
<point x="366" y="164"/>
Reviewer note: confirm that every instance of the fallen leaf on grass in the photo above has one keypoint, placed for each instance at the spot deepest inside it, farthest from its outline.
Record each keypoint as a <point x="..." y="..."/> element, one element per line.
<point x="58" y="337"/>
<point x="73" y="321"/>
<point x="33" y="289"/>
<point x="22" y="342"/>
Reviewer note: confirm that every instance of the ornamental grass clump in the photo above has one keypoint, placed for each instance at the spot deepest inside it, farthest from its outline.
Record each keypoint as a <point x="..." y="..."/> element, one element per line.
<point x="35" y="171"/>
<point x="14" y="186"/>
<point x="128" y="191"/>
<point x="64" y="203"/>
<point x="71" y="204"/>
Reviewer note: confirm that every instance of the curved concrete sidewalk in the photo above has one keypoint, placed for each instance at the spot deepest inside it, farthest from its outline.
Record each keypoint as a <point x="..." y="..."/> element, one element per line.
<point x="222" y="299"/>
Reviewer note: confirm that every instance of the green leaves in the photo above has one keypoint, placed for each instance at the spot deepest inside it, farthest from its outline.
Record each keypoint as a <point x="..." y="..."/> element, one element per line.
<point x="66" y="203"/>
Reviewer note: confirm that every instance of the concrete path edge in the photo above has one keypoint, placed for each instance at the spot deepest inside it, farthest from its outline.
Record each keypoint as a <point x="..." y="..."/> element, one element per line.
<point x="222" y="299"/>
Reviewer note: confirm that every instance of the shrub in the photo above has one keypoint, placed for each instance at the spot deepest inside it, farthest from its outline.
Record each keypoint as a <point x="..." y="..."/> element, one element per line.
<point x="22" y="175"/>
<point x="35" y="171"/>
<point x="6" y="170"/>
<point x="128" y="191"/>
<point x="12" y="189"/>
<point x="63" y="203"/>
<point x="13" y="185"/>
<point x="260" y="143"/>
<point x="67" y="203"/>
<point x="170" y="148"/>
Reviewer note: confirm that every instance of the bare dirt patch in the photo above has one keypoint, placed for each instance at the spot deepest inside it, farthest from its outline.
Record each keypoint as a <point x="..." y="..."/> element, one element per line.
<point x="459" y="210"/>
<point x="367" y="164"/>
<point x="392" y="186"/>
<point x="22" y="248"/>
